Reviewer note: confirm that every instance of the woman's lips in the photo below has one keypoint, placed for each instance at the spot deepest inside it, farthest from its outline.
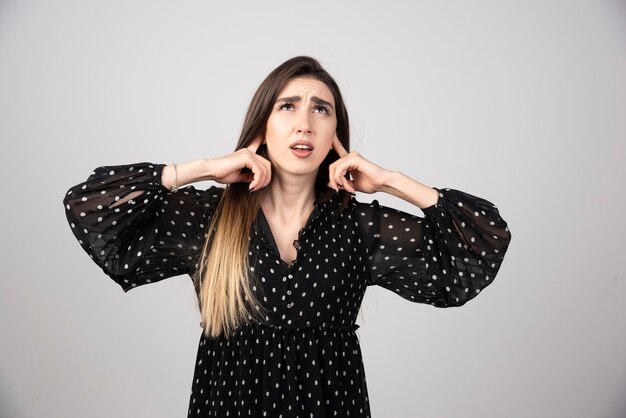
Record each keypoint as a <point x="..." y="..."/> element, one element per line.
<point x="301" y="148"/>
<point x="301" y="153"/>
<point x="302" y="142"/>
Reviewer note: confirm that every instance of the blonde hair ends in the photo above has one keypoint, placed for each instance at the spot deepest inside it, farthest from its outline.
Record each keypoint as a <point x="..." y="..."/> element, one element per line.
<point x="223" y="282"/>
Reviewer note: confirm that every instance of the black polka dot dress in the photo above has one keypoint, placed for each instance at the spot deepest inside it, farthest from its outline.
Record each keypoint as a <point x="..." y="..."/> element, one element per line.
<point x="304" y="359"/>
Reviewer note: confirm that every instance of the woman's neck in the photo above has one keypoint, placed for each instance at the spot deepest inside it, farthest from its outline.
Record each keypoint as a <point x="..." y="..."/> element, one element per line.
<point x="290" y="198"/>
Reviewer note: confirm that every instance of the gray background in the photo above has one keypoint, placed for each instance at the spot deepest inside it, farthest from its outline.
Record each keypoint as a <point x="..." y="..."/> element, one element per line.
<point x="521" y="103"/>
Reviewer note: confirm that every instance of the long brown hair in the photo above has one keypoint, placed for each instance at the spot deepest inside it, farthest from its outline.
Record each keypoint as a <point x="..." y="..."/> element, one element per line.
<point x="222" y="281"/>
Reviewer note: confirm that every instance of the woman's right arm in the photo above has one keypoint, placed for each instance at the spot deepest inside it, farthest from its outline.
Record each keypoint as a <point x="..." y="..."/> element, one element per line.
<point x="134" y="227"/>
<point x="131" y="224"/>
<point x="241" y="166"/>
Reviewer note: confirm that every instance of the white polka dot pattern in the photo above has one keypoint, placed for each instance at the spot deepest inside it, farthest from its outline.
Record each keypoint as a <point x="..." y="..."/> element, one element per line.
<point x="444" y="259"/>
<point x="304" y="360"/>
<point x="147" y="238"/>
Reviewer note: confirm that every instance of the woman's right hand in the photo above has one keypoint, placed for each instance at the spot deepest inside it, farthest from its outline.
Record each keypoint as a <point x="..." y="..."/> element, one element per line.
<point x="228" y="169"/>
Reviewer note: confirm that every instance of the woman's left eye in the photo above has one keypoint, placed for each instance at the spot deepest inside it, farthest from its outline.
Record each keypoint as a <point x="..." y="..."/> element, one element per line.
<point x="322" y="108"/>
<point x="318" y="109"/>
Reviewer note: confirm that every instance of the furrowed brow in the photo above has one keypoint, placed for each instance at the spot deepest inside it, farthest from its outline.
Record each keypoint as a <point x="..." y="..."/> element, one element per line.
<point x="316" y="100"/>
<point x="319" y="101"/>
<point x="289" y="99"/>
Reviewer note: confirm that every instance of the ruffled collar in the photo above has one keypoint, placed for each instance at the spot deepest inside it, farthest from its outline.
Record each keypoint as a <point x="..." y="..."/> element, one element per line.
<point x="263" y="231"/>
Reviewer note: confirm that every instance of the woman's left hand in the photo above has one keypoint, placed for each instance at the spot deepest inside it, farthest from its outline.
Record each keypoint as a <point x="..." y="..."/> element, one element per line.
<point x="367" y="177"/>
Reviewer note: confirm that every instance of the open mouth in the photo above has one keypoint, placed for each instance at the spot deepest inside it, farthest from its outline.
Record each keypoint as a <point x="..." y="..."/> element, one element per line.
<point x="301" y="150"/>
<point x="302" y="147"/>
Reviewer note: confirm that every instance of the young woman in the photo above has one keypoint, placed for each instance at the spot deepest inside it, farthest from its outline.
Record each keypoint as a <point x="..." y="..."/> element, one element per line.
<point x="282" y="255"/>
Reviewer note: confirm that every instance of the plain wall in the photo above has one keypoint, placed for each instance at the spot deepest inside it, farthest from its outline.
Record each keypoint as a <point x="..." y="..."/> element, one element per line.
<point x="519" y="102"/>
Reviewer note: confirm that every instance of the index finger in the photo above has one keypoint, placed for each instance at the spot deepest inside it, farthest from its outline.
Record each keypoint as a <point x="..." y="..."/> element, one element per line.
<point x="338" y="147"/>
<point x="256" y="142"/>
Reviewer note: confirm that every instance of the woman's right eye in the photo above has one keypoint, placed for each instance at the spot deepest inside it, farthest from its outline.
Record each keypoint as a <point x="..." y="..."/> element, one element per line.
<point x="282" y="106"/>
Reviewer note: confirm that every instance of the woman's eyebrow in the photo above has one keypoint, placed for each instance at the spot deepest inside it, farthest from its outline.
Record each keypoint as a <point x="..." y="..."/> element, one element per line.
<point x="315" y="99"/>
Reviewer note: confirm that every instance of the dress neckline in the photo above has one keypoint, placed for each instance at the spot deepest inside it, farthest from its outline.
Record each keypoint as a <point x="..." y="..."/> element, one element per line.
<point x="267" y="236"/>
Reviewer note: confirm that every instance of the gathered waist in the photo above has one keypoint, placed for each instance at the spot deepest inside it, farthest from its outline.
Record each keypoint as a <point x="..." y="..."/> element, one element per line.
<point x="295" y="328"/>
<point x="285" y="329"/>
<point x="292" y="328"/>
<point x="282" y="329"/>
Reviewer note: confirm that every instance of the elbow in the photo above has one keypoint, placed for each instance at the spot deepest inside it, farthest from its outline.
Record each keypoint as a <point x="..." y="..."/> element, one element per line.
<point x="68" y="198"/>
<point x="119" y="268"/>
<point x="125" y="280"/>
<point x="502" y="242"/>
<point x="465" y="286"/>
<point x="71" y="203"/>
<point x="71" y="194"/>
<point x="455" y="300"/>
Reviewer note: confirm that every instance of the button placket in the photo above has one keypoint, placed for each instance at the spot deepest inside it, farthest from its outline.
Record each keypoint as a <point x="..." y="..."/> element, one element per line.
<point x="290" y="302"/>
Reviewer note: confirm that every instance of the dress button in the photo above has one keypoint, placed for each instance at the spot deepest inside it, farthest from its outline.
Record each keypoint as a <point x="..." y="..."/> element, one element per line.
<point x="290" y="276"/>
<point x="289" y="292"/>
<point x="289" y="305"/>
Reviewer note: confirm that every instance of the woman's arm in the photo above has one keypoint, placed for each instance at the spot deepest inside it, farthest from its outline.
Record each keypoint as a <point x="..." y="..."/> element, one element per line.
<point x="368" y="177"/>
<point x="445" y="258"/>
<point x="404" y="187"/>
<point x="225" y="169"/>
<point x="135" y="229"/>
<point x="187" y="173"/>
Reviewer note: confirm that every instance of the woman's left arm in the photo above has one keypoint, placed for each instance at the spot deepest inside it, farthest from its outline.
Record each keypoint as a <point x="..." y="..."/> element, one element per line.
<point x="444" y="259"/>
<point x="370" y="178"/>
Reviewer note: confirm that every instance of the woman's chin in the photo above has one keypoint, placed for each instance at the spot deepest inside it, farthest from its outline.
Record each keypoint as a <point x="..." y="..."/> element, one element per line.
<point x="298" y="168"/>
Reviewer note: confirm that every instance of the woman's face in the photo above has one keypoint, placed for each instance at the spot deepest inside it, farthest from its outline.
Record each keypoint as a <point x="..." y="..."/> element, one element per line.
<point x="304" y="112"/>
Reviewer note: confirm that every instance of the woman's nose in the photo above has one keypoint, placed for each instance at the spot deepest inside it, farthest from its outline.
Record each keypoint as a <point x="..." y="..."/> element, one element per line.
<point x="303" y="123"/>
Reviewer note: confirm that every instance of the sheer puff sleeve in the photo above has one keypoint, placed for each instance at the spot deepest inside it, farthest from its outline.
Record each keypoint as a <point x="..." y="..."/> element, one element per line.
<point x="445" y="258"/>
<point x="134" y="228"/>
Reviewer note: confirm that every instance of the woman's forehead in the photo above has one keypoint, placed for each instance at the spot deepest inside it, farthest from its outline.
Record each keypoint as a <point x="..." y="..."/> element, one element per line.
<point x="307" y="86"/>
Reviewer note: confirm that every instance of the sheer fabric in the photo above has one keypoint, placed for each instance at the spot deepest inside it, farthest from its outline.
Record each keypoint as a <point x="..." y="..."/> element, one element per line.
<point x="305" y="358"/>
